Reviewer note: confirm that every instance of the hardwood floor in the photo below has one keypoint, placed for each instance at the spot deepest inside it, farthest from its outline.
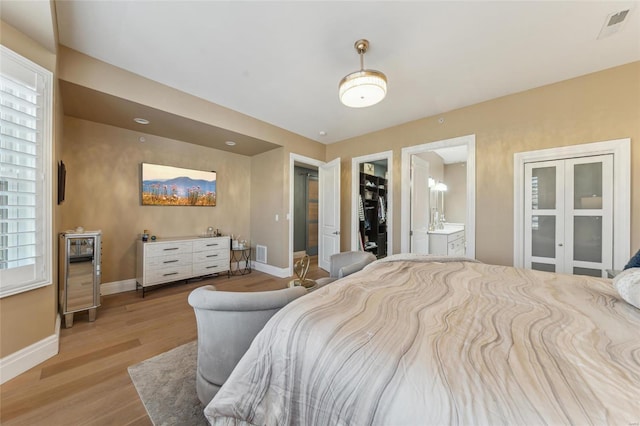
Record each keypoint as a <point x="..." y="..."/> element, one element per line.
<point x="87" y="383"/>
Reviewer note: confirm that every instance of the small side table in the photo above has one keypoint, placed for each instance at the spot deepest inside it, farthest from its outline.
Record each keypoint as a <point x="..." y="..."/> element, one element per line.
<point x="239" y="255"/>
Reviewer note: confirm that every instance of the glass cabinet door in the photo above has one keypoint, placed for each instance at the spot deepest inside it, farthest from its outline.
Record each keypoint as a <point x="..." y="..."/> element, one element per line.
<point x="80" y="274"/>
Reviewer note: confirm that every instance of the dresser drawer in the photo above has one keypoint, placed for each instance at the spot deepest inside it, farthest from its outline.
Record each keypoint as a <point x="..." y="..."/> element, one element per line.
<point x="456" y="248"/>
<point x="174" y="273"/>
<point x="455" y="236"/>
<point x="215" y="267"/>
<point x="207" y="244"/>
<point x="172" y="248"/>
<point x="211" y="256"/>
<point x="166" y="261"/>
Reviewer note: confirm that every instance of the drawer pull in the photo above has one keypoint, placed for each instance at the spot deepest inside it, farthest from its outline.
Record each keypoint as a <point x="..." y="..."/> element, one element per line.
<point x="214" y="266"/>
<point x="212" y="245"/>
<point x="170" y="261"/>
<point x="171" y="273"/>
<point x="212" y="255"/>
<point x="172" y="248"/>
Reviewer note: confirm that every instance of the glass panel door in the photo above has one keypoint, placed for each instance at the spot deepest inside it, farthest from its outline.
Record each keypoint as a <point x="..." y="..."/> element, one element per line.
<point x="589" y="222"/>
<point x="544" y="212"/>
<point x="569" y="215"/>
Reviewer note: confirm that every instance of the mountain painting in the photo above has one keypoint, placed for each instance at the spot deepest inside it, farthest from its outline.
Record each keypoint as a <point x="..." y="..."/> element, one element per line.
<point x="174" y="186"/>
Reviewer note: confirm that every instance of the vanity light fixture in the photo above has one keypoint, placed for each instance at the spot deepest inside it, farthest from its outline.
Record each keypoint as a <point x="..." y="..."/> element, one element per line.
<point x="365" y="87"/>
<point x="143" y="121"/>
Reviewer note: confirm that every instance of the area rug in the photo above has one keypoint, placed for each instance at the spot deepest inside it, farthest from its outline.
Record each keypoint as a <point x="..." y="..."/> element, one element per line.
<point x="166" y="384"/>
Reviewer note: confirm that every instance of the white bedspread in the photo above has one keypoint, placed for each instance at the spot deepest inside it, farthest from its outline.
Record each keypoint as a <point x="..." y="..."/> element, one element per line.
<point x="411" y="342"/>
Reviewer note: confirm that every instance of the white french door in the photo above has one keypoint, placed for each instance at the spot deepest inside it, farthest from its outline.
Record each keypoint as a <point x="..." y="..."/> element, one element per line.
<point x="568" y="223"/>
<point x="329" y="213"/>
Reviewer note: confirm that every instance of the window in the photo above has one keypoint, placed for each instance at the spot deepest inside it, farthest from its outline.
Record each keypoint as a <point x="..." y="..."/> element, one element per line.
<point x="25" y="174"/>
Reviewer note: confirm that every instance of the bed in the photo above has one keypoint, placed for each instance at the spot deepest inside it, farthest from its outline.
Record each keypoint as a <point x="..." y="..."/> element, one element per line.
<point x="423" y="340"/>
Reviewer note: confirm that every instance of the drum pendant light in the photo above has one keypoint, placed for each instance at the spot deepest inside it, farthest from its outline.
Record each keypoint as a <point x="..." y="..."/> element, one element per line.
<point x="365" y="87"/>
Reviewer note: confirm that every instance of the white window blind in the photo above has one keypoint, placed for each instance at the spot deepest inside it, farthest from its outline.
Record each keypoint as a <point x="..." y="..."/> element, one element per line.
<point x="25" y="174"/>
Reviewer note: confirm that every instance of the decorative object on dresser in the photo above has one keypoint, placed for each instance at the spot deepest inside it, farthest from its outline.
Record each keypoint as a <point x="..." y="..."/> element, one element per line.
<point x="79" y="258"/>
<point x="173" y="259"/>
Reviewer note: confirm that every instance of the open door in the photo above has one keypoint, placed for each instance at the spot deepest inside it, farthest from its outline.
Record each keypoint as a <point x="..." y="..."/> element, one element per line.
<point x="329" y="219"/>
<point x="419" y="205"/>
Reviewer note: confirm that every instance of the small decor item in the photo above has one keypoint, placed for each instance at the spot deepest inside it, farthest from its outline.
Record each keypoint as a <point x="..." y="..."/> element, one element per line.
<point x="368" y="168"/>
<point x="300" y="268"/>
<point x="145" y="235"/>
<point x="173" y="186"/>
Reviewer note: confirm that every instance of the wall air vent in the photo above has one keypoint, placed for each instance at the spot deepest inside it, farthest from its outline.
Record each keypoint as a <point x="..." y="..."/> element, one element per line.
<point x="613" y="23"/>
<point x="261" y="254"/>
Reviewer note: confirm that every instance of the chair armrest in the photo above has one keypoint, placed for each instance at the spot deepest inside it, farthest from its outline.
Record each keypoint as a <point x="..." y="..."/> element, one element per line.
<point x="354" y="267"/>
<point x="209" y="298"/>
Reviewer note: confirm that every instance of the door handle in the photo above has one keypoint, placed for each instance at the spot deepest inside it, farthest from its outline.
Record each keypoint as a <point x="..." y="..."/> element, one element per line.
<point x="336" y="232"/>
<point x="559" y="244"/>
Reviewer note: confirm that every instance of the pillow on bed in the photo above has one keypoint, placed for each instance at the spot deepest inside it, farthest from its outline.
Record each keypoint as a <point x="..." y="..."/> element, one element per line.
<point x="634" y="262"/>
<point x="627" y="283"/>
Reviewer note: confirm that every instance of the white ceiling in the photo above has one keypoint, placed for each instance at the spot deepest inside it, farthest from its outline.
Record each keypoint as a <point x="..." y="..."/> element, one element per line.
<point x="281" y="62"/>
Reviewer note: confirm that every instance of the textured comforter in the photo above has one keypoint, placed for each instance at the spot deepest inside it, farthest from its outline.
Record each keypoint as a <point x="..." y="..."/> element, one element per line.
<point x="420" y="342"/>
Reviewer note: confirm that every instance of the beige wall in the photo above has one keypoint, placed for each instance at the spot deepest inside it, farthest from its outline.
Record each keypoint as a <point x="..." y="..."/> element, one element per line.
<point x="269" y="179"/>
<point x="29" y="317"/>
<point x="103" y="190"/>
<point x="455" y="199"/>
<point x="595" y="107"/>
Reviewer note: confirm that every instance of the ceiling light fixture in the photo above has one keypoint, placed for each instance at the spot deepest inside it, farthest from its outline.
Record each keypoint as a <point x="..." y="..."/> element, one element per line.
<point x="365" y="87"/>
<point x="141" y="120"/>
<point x="230" y="143"/>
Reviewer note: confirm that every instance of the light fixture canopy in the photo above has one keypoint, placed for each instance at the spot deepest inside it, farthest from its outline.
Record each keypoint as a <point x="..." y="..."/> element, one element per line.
<point x="365" y="87"/>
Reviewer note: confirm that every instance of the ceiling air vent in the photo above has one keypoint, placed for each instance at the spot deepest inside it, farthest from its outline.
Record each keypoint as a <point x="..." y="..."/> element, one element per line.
<point x="613" y="23"/>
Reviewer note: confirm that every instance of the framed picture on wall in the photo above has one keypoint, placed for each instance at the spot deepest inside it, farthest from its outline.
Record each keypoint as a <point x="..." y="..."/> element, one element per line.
<point x="174" y="186"/>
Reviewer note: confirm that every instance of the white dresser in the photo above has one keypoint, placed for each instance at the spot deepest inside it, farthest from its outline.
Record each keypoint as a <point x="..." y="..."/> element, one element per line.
<point x="174" y="259"/>
<point x="447" y="242"/>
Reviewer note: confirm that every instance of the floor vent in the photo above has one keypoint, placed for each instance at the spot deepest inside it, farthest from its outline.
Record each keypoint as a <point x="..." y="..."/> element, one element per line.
<point x="261" y="253"/>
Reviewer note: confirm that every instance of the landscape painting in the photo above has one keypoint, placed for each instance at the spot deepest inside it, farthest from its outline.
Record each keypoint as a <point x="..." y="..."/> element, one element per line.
<point x="174" y="186"/>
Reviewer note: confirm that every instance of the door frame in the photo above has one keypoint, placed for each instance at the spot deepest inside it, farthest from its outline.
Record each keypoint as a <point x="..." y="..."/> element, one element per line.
<point x="355" y="191"/>
<point x="405" y="193"/>
<point x="621" y="150"/>
<point x="293" y="158"/>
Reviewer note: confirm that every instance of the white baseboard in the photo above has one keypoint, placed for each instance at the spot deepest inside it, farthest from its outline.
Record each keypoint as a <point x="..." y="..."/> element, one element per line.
<point x="27" y="358"/>
<point x="271" y="270"/>
<point x="117" y="287"/>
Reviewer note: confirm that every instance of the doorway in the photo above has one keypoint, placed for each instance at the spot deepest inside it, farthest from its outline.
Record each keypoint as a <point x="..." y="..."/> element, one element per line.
<point x="371" y="203"/>
<point x="305" y="211"/>
<point x="328" y="208"/>
<point x="431" y="209"/>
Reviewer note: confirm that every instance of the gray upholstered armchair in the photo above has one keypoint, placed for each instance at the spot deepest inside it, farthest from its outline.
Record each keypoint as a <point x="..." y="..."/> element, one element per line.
<point x="227" y="324"/>
<point x="346" y="263"/>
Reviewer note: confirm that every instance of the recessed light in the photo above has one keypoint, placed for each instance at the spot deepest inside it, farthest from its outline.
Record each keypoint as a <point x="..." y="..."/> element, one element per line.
<point x="141" y="139"/>
<point x="141" y="120"/>
<point x="230" y="143"/>
<point x="322" y="133"/>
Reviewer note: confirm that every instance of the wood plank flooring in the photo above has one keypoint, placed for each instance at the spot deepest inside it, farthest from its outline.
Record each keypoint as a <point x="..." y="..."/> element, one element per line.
<point x="87" y="383"/>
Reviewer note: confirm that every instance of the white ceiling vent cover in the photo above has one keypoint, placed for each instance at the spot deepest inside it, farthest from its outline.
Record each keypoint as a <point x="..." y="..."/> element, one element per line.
<point x="261" y="254"/>
<point x="613" y="23"/>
